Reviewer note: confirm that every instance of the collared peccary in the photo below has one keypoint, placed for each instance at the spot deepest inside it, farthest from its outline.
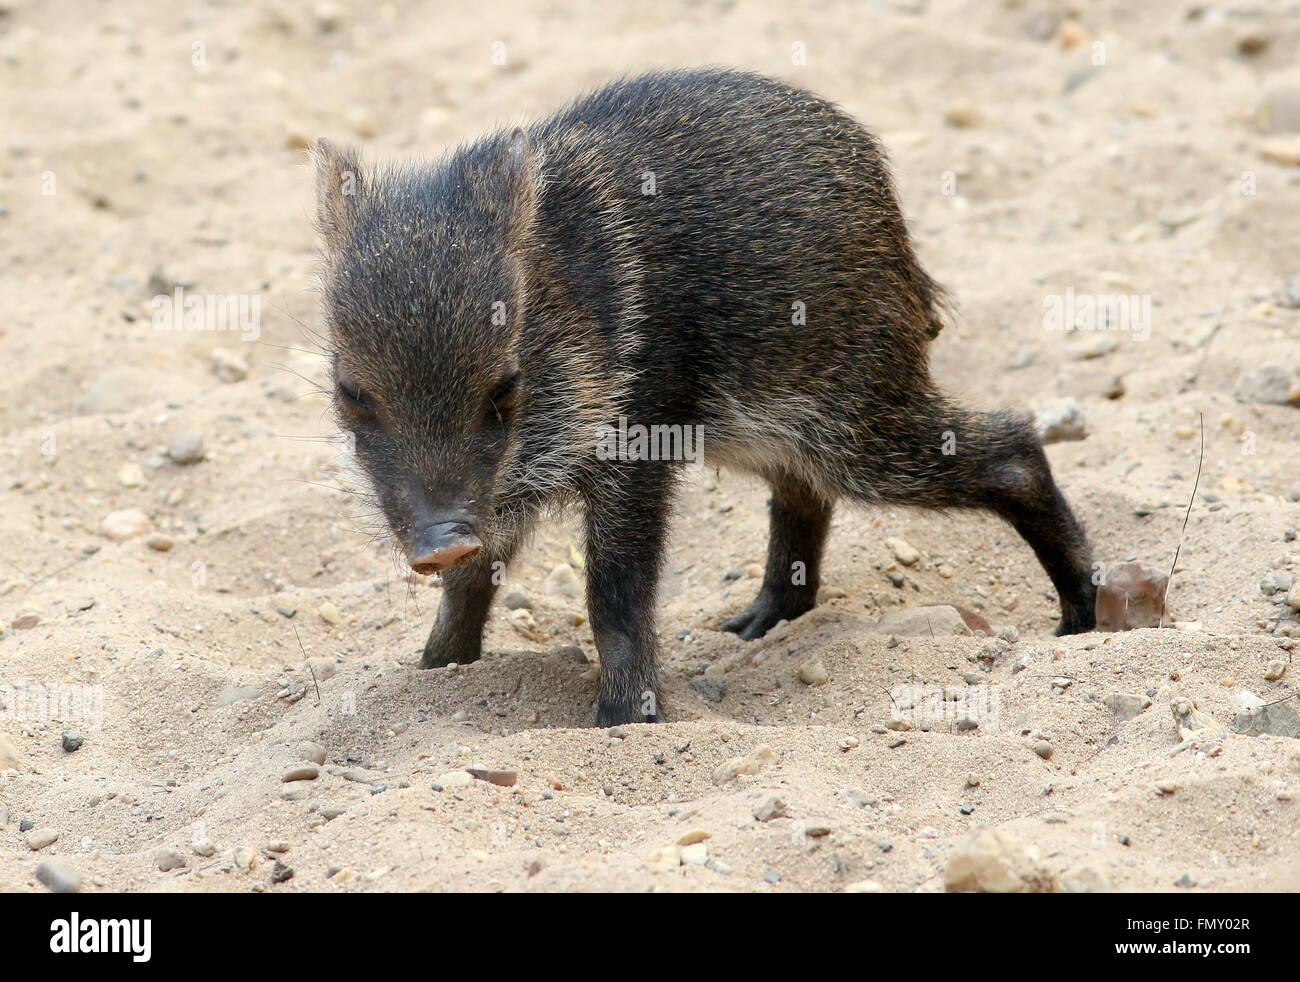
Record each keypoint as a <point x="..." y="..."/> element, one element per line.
<point x="703" y="248"/>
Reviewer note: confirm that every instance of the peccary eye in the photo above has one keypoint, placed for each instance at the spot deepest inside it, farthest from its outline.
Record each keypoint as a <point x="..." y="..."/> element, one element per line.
<point x="502" y="399"/>
<point x="353" y="394"/>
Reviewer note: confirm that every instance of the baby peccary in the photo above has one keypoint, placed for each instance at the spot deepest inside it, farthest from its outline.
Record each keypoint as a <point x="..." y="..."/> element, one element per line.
<point x="701" y="252"/>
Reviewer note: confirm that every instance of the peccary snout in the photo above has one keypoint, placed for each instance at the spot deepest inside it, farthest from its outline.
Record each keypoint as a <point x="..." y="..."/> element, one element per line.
<point x="439" y="547"/>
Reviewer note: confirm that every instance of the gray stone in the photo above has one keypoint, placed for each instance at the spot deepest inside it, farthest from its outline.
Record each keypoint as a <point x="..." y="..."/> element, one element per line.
<point x="59" y="876"/>
<point x="1270" y="385"/>
<point x="563" y="582"/>
<point x="1126" y="705"/>
<point x="1060" y="420"/>
<point x="1279" y="111"/>
<point x="186" y="448"/>
<point x="573" y="653"/>
<point x="169" y="859"/>
<point x="312" y="751"/>
<point x="1289" y="294"/>
<point x="118" y="390"/>
<point x="517" y="600"/>
<point x="711" y="687"/>
<point x="1274" y="719"/>
<point x="937" y="621"/>
<point x="234" y="693"/>
<point x="1277" y="581"/>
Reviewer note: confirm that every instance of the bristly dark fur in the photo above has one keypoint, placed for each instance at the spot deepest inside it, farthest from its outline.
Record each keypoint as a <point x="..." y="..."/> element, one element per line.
<point x="539" y="253"/>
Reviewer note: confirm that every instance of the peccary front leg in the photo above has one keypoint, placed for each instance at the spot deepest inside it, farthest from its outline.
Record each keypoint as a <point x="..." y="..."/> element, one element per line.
<point x="626" y="525"/>
<point x="799" y="519"/>
<point x="467" y="593"/>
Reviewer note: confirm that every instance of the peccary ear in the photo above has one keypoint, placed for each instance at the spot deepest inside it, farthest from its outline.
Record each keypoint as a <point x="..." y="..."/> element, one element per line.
<point x="338" y="189"/>
<point x="518" y="163"/>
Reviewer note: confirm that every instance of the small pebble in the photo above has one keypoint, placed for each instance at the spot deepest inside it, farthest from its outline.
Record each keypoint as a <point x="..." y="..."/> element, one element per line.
<point x="903" y="551"/>
<point x="186" y="448"/>
<point x="38" y="839"/>
<point x="696" y="855"/>
<point x="169" y="859"/>
<point x="562" y="582"/>
<point x="245" y="858"/>
<point x="864" y="886"/>
<point x="121" y="526"/>
<point x="503" y="779"/>
<point x="813" y="673"/>
<point x="160" y="542"/>
<point x="312" y="751"/>
<point x="1060" y="420"/>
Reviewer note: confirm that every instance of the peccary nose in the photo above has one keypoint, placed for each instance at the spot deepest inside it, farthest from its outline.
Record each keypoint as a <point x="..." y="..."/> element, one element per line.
<point x="440" y="547"/>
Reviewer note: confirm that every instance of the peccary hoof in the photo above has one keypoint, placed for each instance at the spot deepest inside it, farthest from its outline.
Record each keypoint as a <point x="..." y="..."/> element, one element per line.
<point x="439" y="653"/>
<point x="619" y="714"/>
<point x="765" y="613"/>
<point x="1078" y="618"/>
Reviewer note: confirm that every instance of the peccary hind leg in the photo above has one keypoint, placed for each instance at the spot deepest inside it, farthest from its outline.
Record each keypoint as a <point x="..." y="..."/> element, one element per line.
<point x="626" y="525"/>
<point x="995" y="461"/>
<point x="799" y="520"/>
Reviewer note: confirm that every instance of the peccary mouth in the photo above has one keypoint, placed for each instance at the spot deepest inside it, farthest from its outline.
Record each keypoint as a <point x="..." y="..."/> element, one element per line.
<point x="440" y="547"/>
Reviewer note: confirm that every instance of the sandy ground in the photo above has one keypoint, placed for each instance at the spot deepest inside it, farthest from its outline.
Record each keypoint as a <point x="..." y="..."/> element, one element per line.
<point x="156" y="145"/>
